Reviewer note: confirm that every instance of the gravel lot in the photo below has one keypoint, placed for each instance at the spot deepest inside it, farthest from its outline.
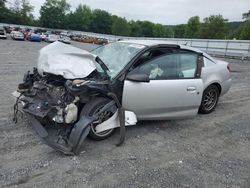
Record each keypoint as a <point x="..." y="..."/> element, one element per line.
<point x="207" y="151"/>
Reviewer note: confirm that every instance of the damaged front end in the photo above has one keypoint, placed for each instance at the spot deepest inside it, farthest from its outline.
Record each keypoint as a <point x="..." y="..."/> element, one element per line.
<point x="53" y="96"/>
<point x="53" y="106"/>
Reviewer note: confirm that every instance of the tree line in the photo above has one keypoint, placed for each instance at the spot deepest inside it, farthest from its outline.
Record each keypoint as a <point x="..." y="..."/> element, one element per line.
<point x="58" y="15"/>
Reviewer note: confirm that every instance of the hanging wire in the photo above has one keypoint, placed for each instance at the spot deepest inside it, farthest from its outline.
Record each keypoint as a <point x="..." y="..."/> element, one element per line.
<point x="16" y="109"/>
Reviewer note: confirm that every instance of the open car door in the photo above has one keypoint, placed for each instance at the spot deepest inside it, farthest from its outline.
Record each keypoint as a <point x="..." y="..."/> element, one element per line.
<point x="166" y="87"/>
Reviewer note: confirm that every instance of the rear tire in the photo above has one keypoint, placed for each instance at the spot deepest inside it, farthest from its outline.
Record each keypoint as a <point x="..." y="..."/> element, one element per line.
<point x="210" y="99"/>
<point x="90" y="109"/>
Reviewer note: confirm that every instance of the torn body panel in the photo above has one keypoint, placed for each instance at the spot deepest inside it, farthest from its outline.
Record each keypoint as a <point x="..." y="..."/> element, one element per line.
<point x="114" y="122"/>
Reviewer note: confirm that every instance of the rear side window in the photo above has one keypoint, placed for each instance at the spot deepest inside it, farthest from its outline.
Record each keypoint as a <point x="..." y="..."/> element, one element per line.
<point x="170" y="66"/>
<point x="188" y="64"/>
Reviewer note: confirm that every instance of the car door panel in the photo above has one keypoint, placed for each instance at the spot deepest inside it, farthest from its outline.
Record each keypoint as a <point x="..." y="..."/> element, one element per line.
<point x="163" y="99"/>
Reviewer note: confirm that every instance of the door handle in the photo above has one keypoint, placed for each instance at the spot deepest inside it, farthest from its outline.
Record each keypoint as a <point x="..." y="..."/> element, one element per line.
<point x="191" y="88"/>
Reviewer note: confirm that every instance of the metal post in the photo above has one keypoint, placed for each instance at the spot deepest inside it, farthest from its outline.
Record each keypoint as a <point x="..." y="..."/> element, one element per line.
<point x="207" y="45"/>
<point x="226" y="49"/>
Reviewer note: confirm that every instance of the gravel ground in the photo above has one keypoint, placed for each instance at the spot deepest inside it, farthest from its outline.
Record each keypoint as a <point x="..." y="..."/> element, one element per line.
<point x="207" y="151"/>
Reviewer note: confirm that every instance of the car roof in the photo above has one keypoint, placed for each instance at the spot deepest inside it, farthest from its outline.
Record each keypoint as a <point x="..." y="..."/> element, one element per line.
<point x="158" y="42"/>
<point x="148" y="42"/>
<point x="164" y="42"/>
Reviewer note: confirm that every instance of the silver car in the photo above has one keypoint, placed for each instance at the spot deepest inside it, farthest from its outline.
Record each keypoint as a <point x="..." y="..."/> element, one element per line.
<point x="64" y="39"/>
<point x="17" y="35"/>
<point x="3" y="33"/>
<point x="52" y="38"/>
<point x="74" y="93"/>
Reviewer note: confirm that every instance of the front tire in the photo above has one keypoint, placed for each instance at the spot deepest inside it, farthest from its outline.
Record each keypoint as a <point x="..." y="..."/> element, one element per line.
<point x="210" y="99"/>
<point x="90" y="109"/>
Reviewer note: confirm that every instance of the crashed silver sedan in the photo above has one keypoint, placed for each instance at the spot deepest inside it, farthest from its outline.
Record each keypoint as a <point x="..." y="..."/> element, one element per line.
<point x="73" y="93"/>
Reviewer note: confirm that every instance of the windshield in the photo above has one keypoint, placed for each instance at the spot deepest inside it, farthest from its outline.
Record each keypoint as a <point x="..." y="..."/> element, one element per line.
<point x="116" y="56"/>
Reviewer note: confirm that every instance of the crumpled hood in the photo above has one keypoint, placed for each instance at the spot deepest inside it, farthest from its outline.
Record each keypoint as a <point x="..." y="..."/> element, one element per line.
<point x="66" y="60"/>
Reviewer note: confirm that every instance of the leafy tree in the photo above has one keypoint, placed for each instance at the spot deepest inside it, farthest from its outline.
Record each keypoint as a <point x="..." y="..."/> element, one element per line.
<point x="21" y="13"/>
<point x="159" y="30"/>
<point x="169" y="33"/>
<point x="141" y="28"/>
<point x="146" y="28"/>
<point x="179" y="31"/>
<point x="53" y="13"/>
<point x="214" y="27"/>
<point x="15" y="15"/>
<point x="193" y="27"/>
<point x="162" y="31"/>
<point x="135" y="29"/>
<point x="79" y="19"/>
<point x="233" y="27"/>
<point x="101" y="22"/>
<point x="120" y="26"/>
<point x="245" y="31"/>
<point x="26" y="12"/>
<point x="4" y="12"/>
<point x="246" y="15"/>
<point x="2" y="3"/>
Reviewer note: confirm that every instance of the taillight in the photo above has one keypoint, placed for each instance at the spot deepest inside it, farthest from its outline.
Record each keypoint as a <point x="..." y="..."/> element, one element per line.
<point x="229" y="67"/>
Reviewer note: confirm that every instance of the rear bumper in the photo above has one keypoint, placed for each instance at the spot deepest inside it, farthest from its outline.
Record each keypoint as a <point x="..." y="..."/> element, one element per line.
<point x="19" y="38"/>
<point x="51" y="40"/>
<point x="225" y="86"/>
<point x="66" y="41"/>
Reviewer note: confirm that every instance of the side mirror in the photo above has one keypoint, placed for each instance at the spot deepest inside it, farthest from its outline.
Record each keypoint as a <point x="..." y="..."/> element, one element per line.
<point x="138" y="77"/>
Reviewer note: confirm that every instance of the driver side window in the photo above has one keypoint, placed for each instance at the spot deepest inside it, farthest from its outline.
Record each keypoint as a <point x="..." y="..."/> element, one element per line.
<point x="170" y="66"/>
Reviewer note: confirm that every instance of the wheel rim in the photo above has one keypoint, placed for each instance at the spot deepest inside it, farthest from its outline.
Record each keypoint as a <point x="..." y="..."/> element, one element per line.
<point x="210" y="99"/>
<point x="103" y="117"/>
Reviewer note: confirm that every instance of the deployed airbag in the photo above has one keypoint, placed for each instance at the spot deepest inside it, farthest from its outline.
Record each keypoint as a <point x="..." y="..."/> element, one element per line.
<point x="65" y="60"/>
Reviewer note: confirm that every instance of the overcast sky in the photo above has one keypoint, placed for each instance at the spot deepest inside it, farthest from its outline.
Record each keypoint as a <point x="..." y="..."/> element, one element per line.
<point x="166" y="12"/>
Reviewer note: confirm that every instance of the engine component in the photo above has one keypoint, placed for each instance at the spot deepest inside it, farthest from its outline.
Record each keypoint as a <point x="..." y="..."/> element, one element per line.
<point x="71" y="113"/>
<point x="59" y="116"/>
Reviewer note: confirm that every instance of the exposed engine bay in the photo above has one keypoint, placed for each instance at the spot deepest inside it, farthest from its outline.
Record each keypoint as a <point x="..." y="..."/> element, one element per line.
<point x="58" y="98"/>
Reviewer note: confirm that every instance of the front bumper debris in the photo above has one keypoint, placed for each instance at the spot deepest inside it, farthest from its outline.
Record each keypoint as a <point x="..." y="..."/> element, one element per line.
<point x="71" y="141"/>
<point x="69" y="138"/>
<point x="70" y="146"/>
